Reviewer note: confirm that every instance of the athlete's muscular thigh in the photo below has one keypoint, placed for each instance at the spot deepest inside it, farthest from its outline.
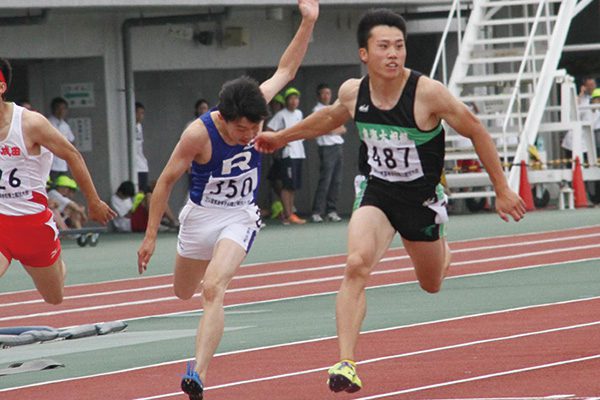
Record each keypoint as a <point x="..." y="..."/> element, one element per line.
<point x="430" y="260"/>
<point x="369" y="236"/>
<point x="187" y="276"/>
<point x="49" y="281"/>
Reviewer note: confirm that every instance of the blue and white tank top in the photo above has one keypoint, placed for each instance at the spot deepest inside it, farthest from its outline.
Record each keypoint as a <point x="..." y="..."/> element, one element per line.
<point x="230" y="178"/>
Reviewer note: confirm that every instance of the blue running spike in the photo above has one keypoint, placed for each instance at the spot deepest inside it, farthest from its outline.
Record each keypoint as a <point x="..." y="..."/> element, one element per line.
<point x="191" y="383"/>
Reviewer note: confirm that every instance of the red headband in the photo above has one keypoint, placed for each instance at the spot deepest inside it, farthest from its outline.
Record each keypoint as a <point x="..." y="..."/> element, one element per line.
<point x="2" y="78"/>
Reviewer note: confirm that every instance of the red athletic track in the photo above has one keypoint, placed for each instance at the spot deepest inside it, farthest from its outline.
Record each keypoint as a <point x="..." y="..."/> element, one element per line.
<point x="426" y="369"/>
<point x="401" y="373"/>
<point x="161" y="300"/>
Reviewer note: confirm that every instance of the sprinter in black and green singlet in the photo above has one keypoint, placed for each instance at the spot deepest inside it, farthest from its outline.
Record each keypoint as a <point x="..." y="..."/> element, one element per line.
<point x="398" y="113"/>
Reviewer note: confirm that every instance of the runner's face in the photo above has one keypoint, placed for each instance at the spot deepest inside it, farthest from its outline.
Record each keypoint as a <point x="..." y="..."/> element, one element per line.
<point x="385" y="53"/>
<point x="242" y="130"/>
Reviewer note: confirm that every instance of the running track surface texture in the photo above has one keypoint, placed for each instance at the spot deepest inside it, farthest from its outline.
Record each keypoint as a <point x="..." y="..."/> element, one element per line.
<point x="535" y="351"/>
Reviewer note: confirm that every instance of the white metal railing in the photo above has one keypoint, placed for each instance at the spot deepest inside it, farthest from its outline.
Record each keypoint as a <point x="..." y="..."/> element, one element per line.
<point x="515" y="97"/>
<point x="544" y="84"/>
<point x="441" y="51"/>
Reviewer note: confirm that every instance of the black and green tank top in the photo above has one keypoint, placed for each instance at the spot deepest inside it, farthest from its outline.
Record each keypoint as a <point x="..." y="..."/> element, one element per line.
<point x="393" y="148"/>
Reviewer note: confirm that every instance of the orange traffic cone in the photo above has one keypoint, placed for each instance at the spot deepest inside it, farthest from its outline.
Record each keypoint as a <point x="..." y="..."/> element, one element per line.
<point x="525" y="189"/>
<point x="579" y="186"/>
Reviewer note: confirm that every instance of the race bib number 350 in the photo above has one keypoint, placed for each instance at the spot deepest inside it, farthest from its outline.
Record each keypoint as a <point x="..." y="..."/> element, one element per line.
<point x="228" y="192"/>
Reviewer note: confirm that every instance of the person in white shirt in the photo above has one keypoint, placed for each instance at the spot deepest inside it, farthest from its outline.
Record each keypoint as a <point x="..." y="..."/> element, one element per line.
<point x="588" y="84"/>
<point x="330" y="171"/>
<point x="586" y="90"/>
<point x="122" y="203"/>
<point x="291" y="155"/>
<point x="141" y="163"/>
<point x="59" y="109"/>
<point x="73" y="213"/>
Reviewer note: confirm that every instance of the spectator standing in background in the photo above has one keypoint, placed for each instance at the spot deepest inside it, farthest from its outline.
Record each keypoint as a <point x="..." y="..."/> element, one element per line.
<point x="201" y="107"/>
<point x="141" y="163"/>
<point x="330" y="171"/>
<point x="292" y="154"/>
<point x="588" y="84"/>
<point x="59" y="109"/>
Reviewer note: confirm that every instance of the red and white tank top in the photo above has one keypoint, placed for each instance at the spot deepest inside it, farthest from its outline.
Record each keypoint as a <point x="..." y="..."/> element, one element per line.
<point x="22" y="176"/>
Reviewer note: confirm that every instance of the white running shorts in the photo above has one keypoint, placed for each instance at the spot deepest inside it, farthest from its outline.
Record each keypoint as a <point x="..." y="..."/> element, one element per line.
<point x="201" y="228"/>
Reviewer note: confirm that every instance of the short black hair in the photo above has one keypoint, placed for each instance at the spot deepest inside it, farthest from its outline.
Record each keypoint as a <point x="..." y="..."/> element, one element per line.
<point x="242" y="97"/>
<point x="127" y="188"/>
<point x="200" y="101"/>
<point x="377" y="17"/>
<point x="57" y="101"/>
<point x="6" y="69"/>
<point x="139" y="105"/>
<point x="322" y="86"/>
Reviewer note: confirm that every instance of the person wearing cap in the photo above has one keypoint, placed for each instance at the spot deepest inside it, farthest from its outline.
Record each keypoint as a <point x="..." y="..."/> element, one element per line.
<point x="277" y="104"/>
<point x="64" y="191"/>
<point x="28" y="232"/>
<point x="292" y="154"/>
<point x="275" y="172"/>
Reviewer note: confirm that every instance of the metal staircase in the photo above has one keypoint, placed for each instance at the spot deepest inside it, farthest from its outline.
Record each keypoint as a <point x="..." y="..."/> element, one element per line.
<point x="506" y="71"/>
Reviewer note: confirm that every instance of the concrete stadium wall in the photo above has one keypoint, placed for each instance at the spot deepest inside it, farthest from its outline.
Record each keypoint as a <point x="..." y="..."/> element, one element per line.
<point x="74" y="46"/>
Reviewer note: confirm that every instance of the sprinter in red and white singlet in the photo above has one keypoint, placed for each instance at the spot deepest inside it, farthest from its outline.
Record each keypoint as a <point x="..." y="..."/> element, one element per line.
<point x="28" y="232"/>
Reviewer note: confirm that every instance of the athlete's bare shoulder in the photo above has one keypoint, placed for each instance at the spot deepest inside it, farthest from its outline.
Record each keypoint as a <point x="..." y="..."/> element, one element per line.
<point x="195" y="141"/>
<point x="348" y="94"/>
<point x="36" y="127"/>
<point x="32" y="120"/>
<point x="433" y="102"/>
<point x="429" y="87"/>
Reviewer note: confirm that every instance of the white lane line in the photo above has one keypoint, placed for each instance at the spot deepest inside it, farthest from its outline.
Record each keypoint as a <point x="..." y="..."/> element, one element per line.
<point x="301" y="342"/>
<point x="171" y="298"/>
<point x="387" y="285"/>
<point x="409" y="354"/>
<point x="481" y="377"/>
<point x="293" y="283"/>
<point x="339" y="255"/>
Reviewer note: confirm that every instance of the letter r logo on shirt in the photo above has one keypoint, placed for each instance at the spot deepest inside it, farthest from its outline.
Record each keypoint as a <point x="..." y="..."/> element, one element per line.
<point x="241" y="160"/>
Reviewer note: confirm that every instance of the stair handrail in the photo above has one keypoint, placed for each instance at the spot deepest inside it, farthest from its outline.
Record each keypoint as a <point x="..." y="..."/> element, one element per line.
<point x="539" y="101"/>
<point x="441" y="51"/>
<point x="516" y="90"/>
